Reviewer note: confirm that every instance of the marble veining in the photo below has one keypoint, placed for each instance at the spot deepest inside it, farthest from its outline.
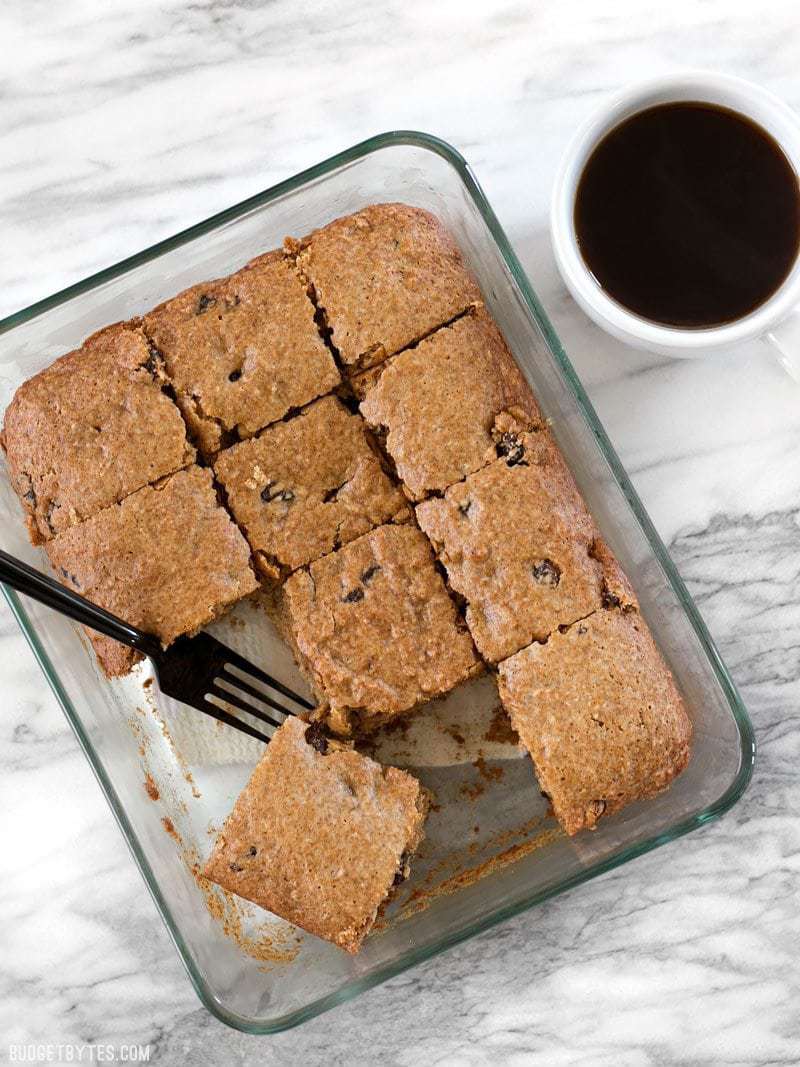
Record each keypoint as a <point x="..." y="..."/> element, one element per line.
<point x="122" y="124"/>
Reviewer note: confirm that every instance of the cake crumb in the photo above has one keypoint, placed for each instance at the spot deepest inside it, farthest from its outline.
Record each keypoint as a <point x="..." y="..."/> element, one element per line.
<point x="491" y="774"/>
<point x="422" y="898"/>
<point x="472" y="792"/>
<point x="500" y="729"/>
<point x="169" y="826"/>
<point x="455" y="733"/>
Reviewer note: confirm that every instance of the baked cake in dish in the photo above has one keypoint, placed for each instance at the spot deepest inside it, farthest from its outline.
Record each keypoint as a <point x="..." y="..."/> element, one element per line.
<point x="600" y="714"/>
<point x="168" y="559"/>
<point x="382" y="279"/>
<point x="374" y="629"/>
<point x="371" y="452"/>
<point x="439" y="406"/>
<point x="90" y="429"/>
<point x="241" y="352"/>
<point x="321" y="835"/>
<point x="307" y="486"/>
<point x="519" y="545"/>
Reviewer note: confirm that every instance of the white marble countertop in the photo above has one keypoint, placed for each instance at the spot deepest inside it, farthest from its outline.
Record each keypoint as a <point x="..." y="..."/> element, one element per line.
<point x="125" y="122"/>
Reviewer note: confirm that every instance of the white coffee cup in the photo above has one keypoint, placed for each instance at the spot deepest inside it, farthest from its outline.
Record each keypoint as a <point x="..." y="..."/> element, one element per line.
<point x="776" y="321"/>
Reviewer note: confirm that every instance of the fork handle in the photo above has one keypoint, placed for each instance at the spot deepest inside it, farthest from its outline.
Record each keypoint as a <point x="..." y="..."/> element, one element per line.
<point x="53" y="595"/>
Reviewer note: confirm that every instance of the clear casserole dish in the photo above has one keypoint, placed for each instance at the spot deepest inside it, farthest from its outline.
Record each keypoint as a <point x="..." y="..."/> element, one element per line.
<point x="491" y="850"/>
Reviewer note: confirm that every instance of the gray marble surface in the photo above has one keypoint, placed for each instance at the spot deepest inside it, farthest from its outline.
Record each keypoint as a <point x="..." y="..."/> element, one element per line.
<point x="122" y="123"/>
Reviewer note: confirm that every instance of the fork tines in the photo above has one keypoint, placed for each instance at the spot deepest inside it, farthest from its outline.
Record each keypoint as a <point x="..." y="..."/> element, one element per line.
<point x="232" y="687"/>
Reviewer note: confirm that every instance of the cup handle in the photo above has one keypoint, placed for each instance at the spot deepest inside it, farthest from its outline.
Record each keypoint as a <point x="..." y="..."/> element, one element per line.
<point x="784" y="342"/>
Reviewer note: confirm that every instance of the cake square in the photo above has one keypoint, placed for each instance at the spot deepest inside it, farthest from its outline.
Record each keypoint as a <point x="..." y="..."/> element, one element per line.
<point x="519" y="545"/>
<point x="600" y="714"/>
<point x="306" y="486"/>
<point x="90" y="429"/>
<point x="383" y="278"/>
<point x="373" y="627"/>
<point x="167" y="559"/>
<point x="320" y="835"/>
<point x="242" y="351"/>
<point x="445" y="407"/>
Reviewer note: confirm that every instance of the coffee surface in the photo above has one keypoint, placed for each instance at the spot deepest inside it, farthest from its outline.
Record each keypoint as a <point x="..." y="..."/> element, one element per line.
<point x="688" y="214"/>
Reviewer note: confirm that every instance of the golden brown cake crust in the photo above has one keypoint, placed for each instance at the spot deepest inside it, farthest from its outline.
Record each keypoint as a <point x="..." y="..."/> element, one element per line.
<point x="519" y="545"/>
<point x="599" y="712"/>
<point x="307" y="486"/>
<point x="241" y="351"/>
<point x="319" y="838"/>
<point x="167" y="559"/>
<point x="89" y="430"/>
<point x="375" y="629"/>
<point x="439" y="403"/>
<point x="384" y="277"/>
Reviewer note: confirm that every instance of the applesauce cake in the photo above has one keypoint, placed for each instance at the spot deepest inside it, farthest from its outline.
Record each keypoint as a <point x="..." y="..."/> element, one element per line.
<point x="307" y="486"/>
<point x="90" y="429"/>
<point x="328" y="387"/>
<point x="241" y="352"/>
<point x="520" y="547"/>
<point x="599" y="712"/>
<point x="374" y="629"/>
<point x="320" y="835"/>
<point x="168" y="559"/>
<point x="382" y="279"/>
<point x="444" y="408"/>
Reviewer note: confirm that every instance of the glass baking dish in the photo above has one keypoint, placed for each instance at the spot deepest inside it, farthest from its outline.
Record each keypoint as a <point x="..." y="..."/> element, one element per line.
<point x="170" y="780"/>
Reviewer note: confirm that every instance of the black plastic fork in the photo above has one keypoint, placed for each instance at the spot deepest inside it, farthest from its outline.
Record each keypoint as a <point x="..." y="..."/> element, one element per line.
<point x="198" y="671"/>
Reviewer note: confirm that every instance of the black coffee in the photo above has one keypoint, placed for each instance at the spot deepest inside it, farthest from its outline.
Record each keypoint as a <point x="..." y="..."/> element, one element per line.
<point x="688" y="214"/>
